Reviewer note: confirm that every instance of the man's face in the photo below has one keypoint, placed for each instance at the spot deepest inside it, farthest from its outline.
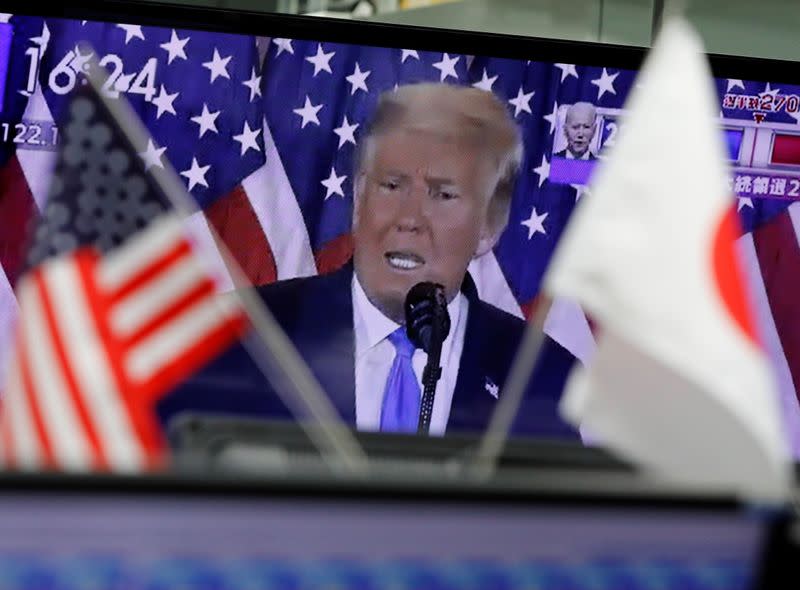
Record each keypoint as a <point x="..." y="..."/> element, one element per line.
<point x="579" y="128"/>
<point x="420" y="215"/>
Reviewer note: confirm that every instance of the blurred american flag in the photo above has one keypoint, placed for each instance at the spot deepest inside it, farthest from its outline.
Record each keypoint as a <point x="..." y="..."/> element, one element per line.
<point x="264" y="132"/>
<point x="116" y="307"/>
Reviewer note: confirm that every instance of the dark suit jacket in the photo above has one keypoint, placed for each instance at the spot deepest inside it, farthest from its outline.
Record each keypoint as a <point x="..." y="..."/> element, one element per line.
<point x="563" y="154"/>
<point x="317" y="315"/>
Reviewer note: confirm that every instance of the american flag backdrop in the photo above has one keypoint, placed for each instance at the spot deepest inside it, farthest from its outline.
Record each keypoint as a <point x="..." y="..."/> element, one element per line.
<point x="263" y="132"/>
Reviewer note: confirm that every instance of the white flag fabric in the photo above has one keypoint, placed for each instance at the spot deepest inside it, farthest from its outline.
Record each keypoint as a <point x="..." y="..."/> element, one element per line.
<point x="679" y="382"/>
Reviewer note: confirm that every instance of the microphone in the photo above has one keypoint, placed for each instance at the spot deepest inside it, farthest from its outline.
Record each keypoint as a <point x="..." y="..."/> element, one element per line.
<point x="426" y="315"/>
<point x="427" y="326"/>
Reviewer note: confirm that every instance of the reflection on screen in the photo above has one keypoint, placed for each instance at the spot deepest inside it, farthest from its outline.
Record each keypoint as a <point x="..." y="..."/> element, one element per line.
<point x="266" y="134"/>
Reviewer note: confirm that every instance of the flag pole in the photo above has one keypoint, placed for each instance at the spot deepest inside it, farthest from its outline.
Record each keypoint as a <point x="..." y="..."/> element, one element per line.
<point x="269" y="347"/>
<point x="660" y="13"/>
<point x="491" y="445"/>
<point x="658" y="18"/>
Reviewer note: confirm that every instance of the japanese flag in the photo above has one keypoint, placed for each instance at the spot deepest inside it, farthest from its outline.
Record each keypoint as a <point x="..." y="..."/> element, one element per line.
<point x="680" y="383"/>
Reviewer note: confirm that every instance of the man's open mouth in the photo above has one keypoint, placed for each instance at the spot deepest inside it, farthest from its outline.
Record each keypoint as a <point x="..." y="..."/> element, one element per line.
<point x="404" y="260"/>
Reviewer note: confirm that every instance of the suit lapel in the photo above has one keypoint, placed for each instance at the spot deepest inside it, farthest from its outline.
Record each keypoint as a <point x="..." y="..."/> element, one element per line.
<point x="325" y="335"/>
<point x="473" y="403"/>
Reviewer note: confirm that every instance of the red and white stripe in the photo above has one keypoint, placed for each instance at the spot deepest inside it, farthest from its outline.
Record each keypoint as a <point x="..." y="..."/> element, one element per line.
<point x="266" y="246"/>
<point x="772" y="253"/>
<point x="8" y="320"/>
<point x="100" y="340"/>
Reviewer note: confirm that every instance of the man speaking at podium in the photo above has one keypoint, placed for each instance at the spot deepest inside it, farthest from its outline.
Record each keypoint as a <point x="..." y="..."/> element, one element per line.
<point x="433" y="183"/>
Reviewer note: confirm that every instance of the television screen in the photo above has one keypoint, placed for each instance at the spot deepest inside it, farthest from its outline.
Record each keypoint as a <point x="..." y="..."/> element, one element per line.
<point x="343" y="163"/>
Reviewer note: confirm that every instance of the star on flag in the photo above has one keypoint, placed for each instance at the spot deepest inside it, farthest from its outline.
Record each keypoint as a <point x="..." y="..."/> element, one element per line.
<point x="486" y="83"/>
<point x="447" y="67"/>
<point x="175" y="48"/>
<point x="247" y="139"/>
<point x="346" y="132"/>
<point x="535" y="223"/>
<point x="218" y="66"/>
<point x="309" y="113"/>
<point x="152" y="155"/>
<point x="196" y="174"/>
<point x="522" y="102"/>
<point x="253" y="84"/>
<point x="206" y="120"/>
<point x="543" y="170"/>
<point x="358" y="80"/>
<point x="132" y="32"/>
<point x="333" y="184"/>
<point x="605" y="83"/>
<point x="164" y="102"/>
<point x="321" y="60"/>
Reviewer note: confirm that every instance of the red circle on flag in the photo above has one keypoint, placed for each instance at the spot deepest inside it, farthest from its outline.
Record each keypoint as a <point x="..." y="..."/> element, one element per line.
<point x="729" y="276"/>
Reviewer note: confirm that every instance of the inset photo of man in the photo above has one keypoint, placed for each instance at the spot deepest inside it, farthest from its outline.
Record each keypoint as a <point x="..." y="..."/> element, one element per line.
<point x="579" y="130"/>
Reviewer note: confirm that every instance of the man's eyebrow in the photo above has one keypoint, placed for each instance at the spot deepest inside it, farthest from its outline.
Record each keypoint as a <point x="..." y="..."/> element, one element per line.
<point x="393" y="173"/>
<point x="438" y="181"/>
<point x="429" y="179"/>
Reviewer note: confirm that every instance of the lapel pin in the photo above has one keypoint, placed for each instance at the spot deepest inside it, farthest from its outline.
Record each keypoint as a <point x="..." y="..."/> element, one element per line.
<point x="492" y="388"/>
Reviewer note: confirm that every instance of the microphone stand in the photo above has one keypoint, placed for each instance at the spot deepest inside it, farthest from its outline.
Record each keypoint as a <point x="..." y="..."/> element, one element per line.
<point x="432" y="372"/>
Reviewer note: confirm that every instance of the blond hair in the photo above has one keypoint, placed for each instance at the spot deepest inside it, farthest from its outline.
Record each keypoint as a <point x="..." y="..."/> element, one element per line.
<point x="459" y="113"/>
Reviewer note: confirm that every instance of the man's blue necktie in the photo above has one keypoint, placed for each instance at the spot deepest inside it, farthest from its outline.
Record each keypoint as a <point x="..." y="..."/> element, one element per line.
<point x="401" y="397"/>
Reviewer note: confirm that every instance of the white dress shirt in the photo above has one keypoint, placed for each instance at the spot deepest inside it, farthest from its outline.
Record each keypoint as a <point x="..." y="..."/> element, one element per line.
<point x="571" y="156"/>
<point x="375" y="355"/>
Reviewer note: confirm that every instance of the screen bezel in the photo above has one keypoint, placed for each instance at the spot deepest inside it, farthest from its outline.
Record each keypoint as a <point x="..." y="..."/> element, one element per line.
<point x="232" y="20"/>
<point x="560" y="489"/>
<point x="544" y="487"/>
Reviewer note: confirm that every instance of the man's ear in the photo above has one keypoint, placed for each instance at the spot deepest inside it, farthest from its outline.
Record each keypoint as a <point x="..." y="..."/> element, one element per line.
<point x="356" y="200"/>
<point x="487" y="239"/>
